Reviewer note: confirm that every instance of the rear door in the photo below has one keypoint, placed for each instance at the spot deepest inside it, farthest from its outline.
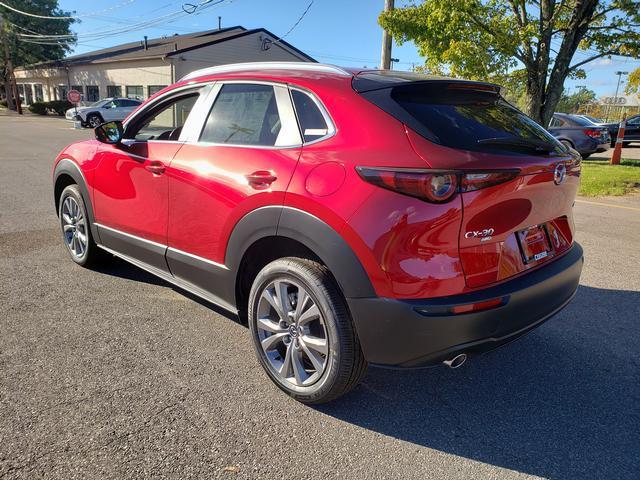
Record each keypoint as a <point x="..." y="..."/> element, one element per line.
<point x="240" y="159"/>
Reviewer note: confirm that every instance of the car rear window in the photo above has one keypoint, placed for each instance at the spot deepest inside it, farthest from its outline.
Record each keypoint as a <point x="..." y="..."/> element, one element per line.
<point x="583" y="122"/>
<point x="462" y="116"/>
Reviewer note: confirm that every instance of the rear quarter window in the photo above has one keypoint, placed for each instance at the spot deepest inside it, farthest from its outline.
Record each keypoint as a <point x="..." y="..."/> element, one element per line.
<point x="312" y="123"/>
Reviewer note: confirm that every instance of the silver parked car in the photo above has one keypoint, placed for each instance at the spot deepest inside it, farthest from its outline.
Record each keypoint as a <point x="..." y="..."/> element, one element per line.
<point x="106" y="110"/>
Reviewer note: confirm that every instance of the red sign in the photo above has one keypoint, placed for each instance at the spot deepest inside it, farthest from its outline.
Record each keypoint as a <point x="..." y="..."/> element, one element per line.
<point x="74" y="96"/>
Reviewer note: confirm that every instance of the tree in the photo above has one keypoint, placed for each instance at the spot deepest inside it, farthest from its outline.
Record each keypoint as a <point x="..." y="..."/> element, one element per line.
<point x="27" y="50"/>
<point x="518" y="42"/>
<point x="633" y="83"/>
<point x="571" y="103"/>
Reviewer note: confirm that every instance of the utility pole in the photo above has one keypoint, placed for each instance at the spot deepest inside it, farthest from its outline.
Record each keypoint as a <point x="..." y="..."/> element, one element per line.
<point x="618" y="86"/>
<point x="10" y="75"/>
<point x="385" y="57"/>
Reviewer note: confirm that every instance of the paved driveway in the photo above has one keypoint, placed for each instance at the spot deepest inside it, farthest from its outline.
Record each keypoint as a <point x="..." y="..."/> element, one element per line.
<point x="114" y="374"/>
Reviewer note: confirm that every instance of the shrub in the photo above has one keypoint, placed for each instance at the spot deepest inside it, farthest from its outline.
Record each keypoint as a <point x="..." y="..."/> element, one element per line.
<point x="3" y="104"/>
<point x="39" y="108"/>
<point x="59" y="107"/>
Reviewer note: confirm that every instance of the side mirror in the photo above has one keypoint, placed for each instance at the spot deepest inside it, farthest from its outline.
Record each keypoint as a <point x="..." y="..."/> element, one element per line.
<point x="110" y="132"/>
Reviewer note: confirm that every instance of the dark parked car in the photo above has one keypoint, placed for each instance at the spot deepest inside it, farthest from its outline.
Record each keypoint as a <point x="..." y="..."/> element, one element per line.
<point x="579" y="133"/>
<point x="631" y="132"/>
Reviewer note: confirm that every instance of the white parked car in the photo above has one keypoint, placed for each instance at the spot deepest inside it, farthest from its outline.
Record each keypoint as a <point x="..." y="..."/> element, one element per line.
<point x="105" y="110"/>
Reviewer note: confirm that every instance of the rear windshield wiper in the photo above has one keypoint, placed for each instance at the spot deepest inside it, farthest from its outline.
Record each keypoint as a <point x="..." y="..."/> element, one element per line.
<point x="539" y="146"/>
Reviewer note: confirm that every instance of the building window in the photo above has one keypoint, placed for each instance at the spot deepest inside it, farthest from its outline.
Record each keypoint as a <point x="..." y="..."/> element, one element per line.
<point x="135" y="91"/>
<point x="153" y="89"/>
<point x="38" y="91"/>
<point x="62" y="91"/>
<point x="28" y="94"/>
<point x="93" y="93"/>
<point x="114" y="91"/>
<point x="78" y="88"/>
<point x="21" y="91"/>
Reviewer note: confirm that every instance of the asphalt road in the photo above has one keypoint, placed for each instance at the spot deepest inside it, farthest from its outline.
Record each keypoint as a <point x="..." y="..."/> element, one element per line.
<point x="114" y="374"/>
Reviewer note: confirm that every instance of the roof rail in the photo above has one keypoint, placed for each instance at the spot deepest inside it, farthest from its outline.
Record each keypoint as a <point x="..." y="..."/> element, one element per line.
<point x="242" y="67"/>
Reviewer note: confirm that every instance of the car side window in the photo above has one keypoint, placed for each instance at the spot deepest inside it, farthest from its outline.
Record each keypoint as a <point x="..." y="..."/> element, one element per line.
<point x="110" y="104"/>
<point x="312" y="123"/>
<point x="163" y="121"/>
<point x="554" y="122"/>
<point x="243" y="114"/>
<point x="634" y="121"/>
<point x="128" y="103"/>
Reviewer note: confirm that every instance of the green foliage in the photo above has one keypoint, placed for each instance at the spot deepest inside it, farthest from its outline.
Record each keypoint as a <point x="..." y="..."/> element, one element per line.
<point x="39" y="108"/>
<point x="571" y="103"/>
<point x="510" y="41"/>
<point x="27" y="53"/>
<point x="58" y="107"/>
<point x="633" y="82"/>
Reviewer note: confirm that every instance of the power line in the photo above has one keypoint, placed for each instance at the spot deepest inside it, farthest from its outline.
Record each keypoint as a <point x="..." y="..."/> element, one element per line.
<point x="306" y="10"/>
<point x="80" y="15"/>
<point x="167" y="18"/>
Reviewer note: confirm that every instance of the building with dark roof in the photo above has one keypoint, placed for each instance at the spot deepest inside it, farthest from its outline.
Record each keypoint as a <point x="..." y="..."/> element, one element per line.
<point x="139" y="69"/>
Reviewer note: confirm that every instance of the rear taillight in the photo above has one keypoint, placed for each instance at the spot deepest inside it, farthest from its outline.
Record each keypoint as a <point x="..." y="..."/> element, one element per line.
<point x="476" y="180"/>
<point x="435" y="186"/>
<point x="592" y="132"/>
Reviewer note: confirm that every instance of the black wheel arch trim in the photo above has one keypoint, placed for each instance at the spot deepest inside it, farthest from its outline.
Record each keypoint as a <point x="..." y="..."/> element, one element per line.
<point x="310" y="231"/>
<point x="66" y="166"/>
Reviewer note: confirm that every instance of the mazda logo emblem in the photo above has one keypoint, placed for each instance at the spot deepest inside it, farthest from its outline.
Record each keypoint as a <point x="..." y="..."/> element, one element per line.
<point x="559" y="174"/>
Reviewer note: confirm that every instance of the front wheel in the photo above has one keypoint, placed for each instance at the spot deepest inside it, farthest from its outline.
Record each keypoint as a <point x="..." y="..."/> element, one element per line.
<point x="94" y="120"/>
<point x="302" y="332"/>
<point x="76" y="230"/>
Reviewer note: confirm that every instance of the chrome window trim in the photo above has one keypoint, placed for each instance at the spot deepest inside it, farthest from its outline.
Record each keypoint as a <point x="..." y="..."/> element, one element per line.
<point x="161" y="245"/>
<point x="202" y="88"/>
<point x="284" y="105"/>
<point x="331" y="126"/>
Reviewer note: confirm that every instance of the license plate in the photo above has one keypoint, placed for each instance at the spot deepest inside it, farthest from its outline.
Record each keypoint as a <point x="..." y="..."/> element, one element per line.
<point x="534" y="243"/>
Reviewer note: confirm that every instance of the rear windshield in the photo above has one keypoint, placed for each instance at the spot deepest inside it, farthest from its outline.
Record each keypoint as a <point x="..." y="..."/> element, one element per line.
<point x="466" y="118"/>
<point x="581" y="121"/>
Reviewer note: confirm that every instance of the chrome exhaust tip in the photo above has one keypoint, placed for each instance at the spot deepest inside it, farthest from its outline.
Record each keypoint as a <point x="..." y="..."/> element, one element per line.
<point x="456" y="361"/>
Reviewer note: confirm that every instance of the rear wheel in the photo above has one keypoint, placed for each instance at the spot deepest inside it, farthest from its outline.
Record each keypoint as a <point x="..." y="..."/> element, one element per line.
<point x="76" y="231"/>
<point x="302" y="332"/>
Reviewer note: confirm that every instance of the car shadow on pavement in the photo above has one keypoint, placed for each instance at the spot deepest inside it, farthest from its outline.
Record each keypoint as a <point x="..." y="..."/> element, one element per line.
<point x="117" y="267"/>
<point x="562" y="402"/>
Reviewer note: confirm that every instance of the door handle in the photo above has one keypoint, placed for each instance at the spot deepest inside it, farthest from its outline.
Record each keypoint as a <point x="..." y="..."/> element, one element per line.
<point x="261" y="179"/>
<point x="157" y="168"/>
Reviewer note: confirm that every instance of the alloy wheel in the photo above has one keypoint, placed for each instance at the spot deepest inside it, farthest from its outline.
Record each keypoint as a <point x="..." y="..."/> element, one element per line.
<point x="74" y="227"/>
<point x="292" y="333"/>
<point x="94" y="121"/>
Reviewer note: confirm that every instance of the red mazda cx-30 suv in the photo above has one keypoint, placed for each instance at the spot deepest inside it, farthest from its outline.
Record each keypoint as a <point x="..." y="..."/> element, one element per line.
<point x="351" y="217"/>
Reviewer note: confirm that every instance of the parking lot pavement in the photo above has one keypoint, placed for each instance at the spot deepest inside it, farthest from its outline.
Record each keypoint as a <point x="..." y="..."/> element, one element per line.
<point x="631" y="152"/>
<point x="114" y="374"/>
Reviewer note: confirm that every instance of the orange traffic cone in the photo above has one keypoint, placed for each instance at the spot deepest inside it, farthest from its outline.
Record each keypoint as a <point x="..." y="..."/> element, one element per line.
<point x="617" y="151"/>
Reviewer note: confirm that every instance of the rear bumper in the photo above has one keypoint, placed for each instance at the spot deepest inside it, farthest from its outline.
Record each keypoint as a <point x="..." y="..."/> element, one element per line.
<point x="414" y="333"/>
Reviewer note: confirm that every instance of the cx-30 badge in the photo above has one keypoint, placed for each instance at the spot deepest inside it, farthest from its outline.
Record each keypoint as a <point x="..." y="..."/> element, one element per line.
<point x="483" y="235"/>
<point x="559" y="173"/>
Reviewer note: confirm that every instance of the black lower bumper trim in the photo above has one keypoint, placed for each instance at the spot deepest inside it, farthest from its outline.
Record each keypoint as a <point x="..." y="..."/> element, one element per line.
<point x="396" y="333"/>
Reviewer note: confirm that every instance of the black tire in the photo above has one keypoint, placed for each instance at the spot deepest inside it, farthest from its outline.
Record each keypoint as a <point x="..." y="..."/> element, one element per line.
<point x="567" y="144"/>
<point x="94" y="120"/>
<point x="345" y="365"/>
<point x="92" y="254"/>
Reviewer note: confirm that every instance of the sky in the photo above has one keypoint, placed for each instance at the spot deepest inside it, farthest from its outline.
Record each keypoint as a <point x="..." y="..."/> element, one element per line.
<point x="342" y="32"/>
